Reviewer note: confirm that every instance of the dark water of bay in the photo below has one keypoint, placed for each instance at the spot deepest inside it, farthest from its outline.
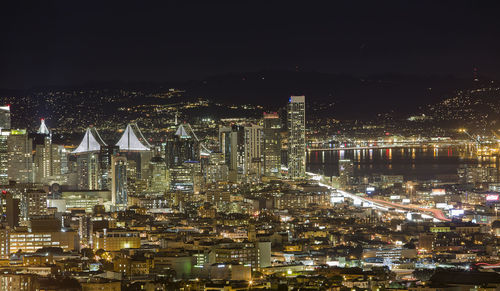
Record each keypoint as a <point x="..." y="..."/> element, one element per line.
<point x="412" y="163"/>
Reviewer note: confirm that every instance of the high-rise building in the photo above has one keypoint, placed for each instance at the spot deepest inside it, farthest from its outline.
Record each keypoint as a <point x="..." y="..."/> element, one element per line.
<point x="5" y="117"/>
<point x="346" y="173"/>
<point x="252" y="165"/>
<point x="297" y="136"/>
<point x="241" y="146"/>
<point x="87" y="159"/>
<point x="20" y="149"/>
<point x="47" y="160"/>
<point x="105" y="155"/>
<point x="272" y="144"/>
<point x="159" y="175"/>
<point x="134" y="145"/>
<point x="4" y="156"/>
<point x="181" y="147"/>
<point x="232" y="146"/>
<point x="119" y="181"/>
<point x="4" y="134"/>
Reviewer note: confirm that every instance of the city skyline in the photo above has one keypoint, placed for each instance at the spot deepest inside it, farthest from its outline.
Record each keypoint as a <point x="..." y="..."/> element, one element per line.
<point x="211" y="146"/>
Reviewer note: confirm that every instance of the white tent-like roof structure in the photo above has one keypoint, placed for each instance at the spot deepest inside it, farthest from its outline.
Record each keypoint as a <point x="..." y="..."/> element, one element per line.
<point x="130" y="142"/>
<point x="181" y="132"/>
<point x="186" y="131"/>
<point x="91" y="142"/>
<point x="43" y="128"/>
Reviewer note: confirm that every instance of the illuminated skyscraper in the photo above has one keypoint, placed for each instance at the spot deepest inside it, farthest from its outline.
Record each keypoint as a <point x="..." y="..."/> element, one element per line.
<point x="4" y="135"/>
<point x="105" y="155"/>
<point x="231" y="140"/>
<point x="119" y="181"/>
<point x="241" y="146"/>
<point x="135" y="147"/>
<point x="252" y="165"/>
<point x="272" y="144"/>
<point x="159" y="175"/>
<point x="5" y="117"/>
<point x="47" y="160"/>
<point x="87" y="158"/>
<point x="181" y="147"/>
<point x="4" y="157"/>
<point x="297" y="136"/>
<point x="20" y="149"/>
<point x="346" y="173"/>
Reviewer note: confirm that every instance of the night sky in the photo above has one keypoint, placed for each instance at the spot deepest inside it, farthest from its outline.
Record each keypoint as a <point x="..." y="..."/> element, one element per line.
<point x="68" y="43"/>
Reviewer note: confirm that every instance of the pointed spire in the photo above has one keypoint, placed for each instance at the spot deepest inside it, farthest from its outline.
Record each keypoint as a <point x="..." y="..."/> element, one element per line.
<point x="43" y="128"/>
<point x="91" y="142"/>
<point x="130" y="142"/>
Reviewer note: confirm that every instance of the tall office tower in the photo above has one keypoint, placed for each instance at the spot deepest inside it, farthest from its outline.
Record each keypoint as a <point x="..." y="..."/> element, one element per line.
<point x="159" y="175"/>
<point x="135" y="147"/>
<point x="241" y="147"/>
<point x="346" y="173"/>
<point x="182" y="146"/>
<point x="253" y="151"/>
<point x="4" y="134"/>
<point x="119" y="181"/>
<point x="272" y="144"/>
<point x="4" y="156"/>
<point x="20" y="149"/>
<point x="105" y="155"/>
<point x="5" y="117"/>
<point x="232" y="146"/>
<point x="87" y="160"/>
<point x="297" y="136"/>
<point x="47" y="160"/>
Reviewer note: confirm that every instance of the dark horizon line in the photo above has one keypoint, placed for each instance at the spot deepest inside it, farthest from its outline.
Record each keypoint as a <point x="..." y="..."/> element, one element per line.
<point x="156" y="84"/>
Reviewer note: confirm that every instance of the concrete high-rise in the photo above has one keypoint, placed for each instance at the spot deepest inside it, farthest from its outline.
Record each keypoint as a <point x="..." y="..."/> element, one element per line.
<point x="297" y="136"/>
<point x="241" y="146"/>
<point x="47" y="160"/>
<point x="119" y="181"/>
<point x="252" y="165"/>
<point x="346" y="173"/>
<point x="181" y="147"/>
<point x="272" y="144"/>
<point x="159" y="175"/>
<point x="20" y="149"/>
<point x="87" y="160"/>
<point x="4" y="135"/>
<point x="4" y="156"/>
<point x="5" y="117"/>
<point x="231" y="140"/>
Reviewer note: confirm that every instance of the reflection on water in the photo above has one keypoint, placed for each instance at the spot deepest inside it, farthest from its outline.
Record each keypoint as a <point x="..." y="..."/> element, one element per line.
<point x="420" y="162"/>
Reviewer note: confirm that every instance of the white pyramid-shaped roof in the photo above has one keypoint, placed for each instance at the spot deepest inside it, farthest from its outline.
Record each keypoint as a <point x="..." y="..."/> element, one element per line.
<point x="43" y="128"/>
<point x="181" y="132"/>
<point x="91" y="142"/>
<point x="130" y="142"/>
